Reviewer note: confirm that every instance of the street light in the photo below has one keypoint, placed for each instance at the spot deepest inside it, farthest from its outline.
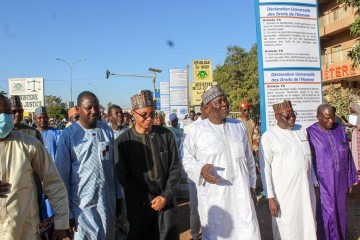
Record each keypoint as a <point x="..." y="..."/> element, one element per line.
<point x="96" y="86"/>
<point x="71" y="104"/>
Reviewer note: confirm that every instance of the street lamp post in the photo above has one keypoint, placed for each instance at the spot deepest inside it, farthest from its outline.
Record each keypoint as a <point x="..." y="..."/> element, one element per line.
<point x="96" y="86"/>
<point x="70" y="65"/>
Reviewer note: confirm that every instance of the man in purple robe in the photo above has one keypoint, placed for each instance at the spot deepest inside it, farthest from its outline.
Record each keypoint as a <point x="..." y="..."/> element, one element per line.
<point x="335" y="171"/>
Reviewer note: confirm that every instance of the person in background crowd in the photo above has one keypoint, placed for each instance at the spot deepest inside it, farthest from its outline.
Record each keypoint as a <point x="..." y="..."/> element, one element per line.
<point x="218" y="159"/>
<point x="337" y="119"/>
<point x="252" y="132"/>
<point x="159" y="120"/>
<point x="189" y="119"/>
<point x="335" y="172"/>
<point x="17" y="111"/>
<point x="22" y="156"/>
<point x="116" y="120"/>
<point x="128" y="120"/>
<point x="179" y="134"/>
<point x="73" y="116"/>
<point x="288" y="176"/>
<point x="148" y="169"/>
<point x="52" y="122"/>
<point x="49" y="134"/>
<point x="355" y="135"/>
<point x="85" y="162"/>
<point x="195" y="224"/>
<point x="197" y="115"/>
<point x="61" y="124"/>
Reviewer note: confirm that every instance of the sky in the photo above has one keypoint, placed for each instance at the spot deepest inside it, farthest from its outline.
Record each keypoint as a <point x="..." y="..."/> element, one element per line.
<point x="126" y="37"/>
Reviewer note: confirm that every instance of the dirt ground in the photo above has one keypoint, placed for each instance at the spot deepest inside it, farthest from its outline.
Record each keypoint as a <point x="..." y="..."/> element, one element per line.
<point x="264" y="218"/>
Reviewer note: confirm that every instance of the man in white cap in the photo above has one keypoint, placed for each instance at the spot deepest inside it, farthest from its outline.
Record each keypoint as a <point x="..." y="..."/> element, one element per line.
<point x="288" y="177"/>
<point x="218" y="159"/>
<point x="174" y="128"/>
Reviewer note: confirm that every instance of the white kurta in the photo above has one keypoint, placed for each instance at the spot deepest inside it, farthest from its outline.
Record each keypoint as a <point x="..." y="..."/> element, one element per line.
<point x="288" y="176"/>
<point x="226" y="209"/>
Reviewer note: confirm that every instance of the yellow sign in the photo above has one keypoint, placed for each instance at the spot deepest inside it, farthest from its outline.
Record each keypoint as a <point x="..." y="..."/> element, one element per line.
<point x="197" y="89"/>
<point x="202" y="71"/>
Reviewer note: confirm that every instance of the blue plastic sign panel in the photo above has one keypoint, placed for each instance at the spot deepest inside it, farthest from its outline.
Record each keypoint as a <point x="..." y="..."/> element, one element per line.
<point x="289" y="58"/>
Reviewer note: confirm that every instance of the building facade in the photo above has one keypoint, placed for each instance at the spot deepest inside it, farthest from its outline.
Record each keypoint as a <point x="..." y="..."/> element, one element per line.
<point x="335" y="42"/>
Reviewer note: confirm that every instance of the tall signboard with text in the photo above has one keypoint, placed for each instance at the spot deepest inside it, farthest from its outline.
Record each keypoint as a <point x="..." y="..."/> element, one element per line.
<point x="203" y="78"/>
<point x="30" y="90"/>
<point x="178" y="92"/>
<point x="289" y="58"/>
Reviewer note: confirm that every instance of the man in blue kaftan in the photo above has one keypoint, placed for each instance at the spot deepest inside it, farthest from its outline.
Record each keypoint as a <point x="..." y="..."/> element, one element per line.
<point x="86" y="164"/>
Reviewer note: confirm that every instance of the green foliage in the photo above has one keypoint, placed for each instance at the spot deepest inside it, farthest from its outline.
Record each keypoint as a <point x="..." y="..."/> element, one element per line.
<point x="354" y="53"/>
<point x="108" y="105"/>
<point x="341" y="98"/>
<point x="238" y="77"/>
<point x="55" y="107"/>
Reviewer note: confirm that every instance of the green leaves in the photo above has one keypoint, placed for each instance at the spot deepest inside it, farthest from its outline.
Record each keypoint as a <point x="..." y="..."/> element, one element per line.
<point x="55" y="107"/>
<point x="238" y="77"/>
<point x="354" y="53"/>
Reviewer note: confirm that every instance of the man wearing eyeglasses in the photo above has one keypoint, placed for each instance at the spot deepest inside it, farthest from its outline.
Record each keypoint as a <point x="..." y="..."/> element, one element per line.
<point x="288" y="177"/>
<point x="18" y="113"/>
<point x="148" y="169"/>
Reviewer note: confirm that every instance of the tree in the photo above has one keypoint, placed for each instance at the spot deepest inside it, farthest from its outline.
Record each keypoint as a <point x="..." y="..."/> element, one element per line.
<point x="338" y="98"/>
<point x="55" y="107"/>
<point x="354" y="53"/>
<point x="238" y="77"/>
<point x="109" y="104"/>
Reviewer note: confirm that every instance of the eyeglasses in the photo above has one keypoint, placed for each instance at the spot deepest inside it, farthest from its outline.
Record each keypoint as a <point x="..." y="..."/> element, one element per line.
<point x="245" y="110"/>
<point x="289" y="115"/>
<point x="144" y="117"/>
<point x="17" y="111"/>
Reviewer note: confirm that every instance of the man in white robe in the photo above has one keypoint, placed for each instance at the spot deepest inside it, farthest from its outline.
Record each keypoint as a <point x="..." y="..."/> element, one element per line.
<point x="218" y="159"/>
<point x="288" y="177"/>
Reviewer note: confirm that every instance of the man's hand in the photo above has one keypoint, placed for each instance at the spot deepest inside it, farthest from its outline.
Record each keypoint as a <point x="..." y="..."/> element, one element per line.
<point x="205" y="173"/>
<point x="4" y="189"/>
<point x="59" y="234"/>
<point x="253" y="195"/>
<point x="158" y="203"/>
<point x="273" y="207"/>
<point x="72" y="226"/>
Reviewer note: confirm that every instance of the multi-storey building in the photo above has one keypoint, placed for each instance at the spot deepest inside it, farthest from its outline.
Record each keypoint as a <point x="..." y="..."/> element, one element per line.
<point x="335" y="42"/>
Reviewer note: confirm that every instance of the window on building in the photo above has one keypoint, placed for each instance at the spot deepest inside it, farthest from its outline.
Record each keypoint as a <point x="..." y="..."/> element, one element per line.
<point x="335" y="14"/>
<point x="337" y="54"/>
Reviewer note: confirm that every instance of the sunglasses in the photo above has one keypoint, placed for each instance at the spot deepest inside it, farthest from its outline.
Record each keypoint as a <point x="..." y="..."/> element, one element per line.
<point x="144" y="117"/>
<point x="17" y="111"/>
<point x="289" y="115"/>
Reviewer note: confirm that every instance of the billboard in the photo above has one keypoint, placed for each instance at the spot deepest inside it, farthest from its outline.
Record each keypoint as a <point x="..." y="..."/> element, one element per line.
<point x="30" y="90"/>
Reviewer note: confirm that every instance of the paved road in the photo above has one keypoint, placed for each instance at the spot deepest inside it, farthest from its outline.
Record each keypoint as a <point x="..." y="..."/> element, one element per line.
<point x="265" y="219"/>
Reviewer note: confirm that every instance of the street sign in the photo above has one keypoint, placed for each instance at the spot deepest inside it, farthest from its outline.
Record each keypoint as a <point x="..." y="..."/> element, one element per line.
<point x="197" y="89"/>
<point x="202" y="71"/>
<point x="30" y="90"/>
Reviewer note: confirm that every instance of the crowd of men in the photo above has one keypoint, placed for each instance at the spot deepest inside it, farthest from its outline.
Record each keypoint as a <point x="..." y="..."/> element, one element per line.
<point x="99" y="179"/>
